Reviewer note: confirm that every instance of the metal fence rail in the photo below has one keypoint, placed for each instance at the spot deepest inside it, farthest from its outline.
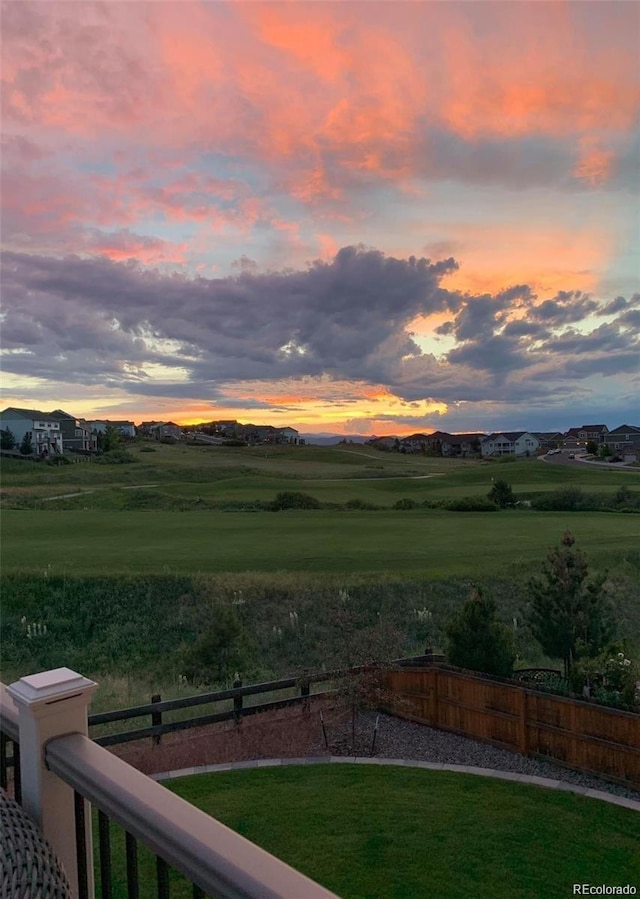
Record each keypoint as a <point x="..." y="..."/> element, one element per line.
<point x="217" y="861"/>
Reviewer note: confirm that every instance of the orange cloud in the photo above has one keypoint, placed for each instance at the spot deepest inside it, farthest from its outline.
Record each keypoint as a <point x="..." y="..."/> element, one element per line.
<point x="594" y="163"/>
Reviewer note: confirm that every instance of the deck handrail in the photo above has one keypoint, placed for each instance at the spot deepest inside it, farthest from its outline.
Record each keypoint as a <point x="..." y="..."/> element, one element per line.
<point x="209" y="854"/>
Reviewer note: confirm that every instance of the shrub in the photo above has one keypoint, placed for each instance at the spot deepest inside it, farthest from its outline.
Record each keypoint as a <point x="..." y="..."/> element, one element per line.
<point x="169" y="440"/>
<point x="625" y="500"/>
<point x="116" y="457"/>
<point x="26" y="447"/>
<point x="565" y="499"/>
<point x="234" y="442"/>
<point x="7" y="439"/>
<point x="405" y="504"/>
<point x="291" y="499"/>
<point x="361" y="504"/>
<point x="59" y="460"/>
<point x="471" y="504"/>
<point x="501" y="494"/>
<point x="478" y="641"/>
<point x="148" y="449"/>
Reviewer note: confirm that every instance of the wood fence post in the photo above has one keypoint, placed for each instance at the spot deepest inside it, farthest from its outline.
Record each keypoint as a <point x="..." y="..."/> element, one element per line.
<point x="305" y="689"/>
<point x="572" y="742"/>
<point x="237" y="701"/>
<point x="156" y="719"/>
<point x="522" y="721"/>
<point x="436" y="709"/>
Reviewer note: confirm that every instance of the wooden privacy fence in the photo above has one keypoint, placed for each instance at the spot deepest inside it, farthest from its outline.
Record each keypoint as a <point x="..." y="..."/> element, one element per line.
<point x="580" y="735"/>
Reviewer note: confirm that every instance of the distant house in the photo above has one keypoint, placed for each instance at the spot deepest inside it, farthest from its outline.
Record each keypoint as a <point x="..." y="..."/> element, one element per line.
<point x="145" y="426"/>
<point x="596" y="433"/>
<point x="415" y="443"/>
<point x="287" y="435"/>
<point x="160" y="429"/>
<point x="124" y="428"/>
<point x="625" y="442"/>
<point x="549" y="439"/>
<point x="509" y="443"/>
<point x="461" y="445"/>
<point x="572" y="439"/>
<point x="383" y="443"/>
<point x="43" y="428"/>
<point x="77" y="433"/>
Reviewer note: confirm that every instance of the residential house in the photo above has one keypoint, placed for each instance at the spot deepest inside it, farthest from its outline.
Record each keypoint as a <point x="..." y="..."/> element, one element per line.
<point x="572" y="439"/>
<point x="624" y="441"/>
<point x="124" y="428"/>
<point x="415" y="443"/>
<point x="384" y="443"/>
<point x="160" y="429"/>
<point x="509" y="443"/>
<point x="287" y="435"/>
<point x="461" y="445"/>
<point x="77" y="434"/>
<point x="596" y="433"/>
<point x="43" y="428"/>
<point x="549" y="439"/>
<point x="145" y="426"/>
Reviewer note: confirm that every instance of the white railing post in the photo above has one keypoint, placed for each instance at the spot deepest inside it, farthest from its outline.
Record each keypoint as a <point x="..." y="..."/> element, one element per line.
<point x="52" y="704"/>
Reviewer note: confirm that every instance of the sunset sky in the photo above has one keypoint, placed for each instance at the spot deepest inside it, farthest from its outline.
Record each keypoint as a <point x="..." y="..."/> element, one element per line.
<point x="345" y="217"/>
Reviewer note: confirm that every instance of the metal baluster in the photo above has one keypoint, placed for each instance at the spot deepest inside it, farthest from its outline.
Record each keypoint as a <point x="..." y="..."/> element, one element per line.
<point x="81" y="845"/>
<point x="17" y="781"/>
<point x="3" y="760"/>
<point x="132" y="866"/>
<point x="105" y="855"/>
<point x="162" y="870"/>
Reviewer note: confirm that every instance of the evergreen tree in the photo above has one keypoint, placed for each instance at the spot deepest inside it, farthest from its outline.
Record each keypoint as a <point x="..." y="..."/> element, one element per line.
<point x="220" y="650"/>
<point x="501" y="494"/>
<point x="111" y="439"/>
<point x="7" y="439"/>
<point x="478" y="641"/>
<point x="570" y="616"/>
<point x="26" y="447"/>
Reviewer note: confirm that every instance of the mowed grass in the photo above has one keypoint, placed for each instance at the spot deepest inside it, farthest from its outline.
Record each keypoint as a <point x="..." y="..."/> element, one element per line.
<point x="219" y="475"/>
<point x="429" y="542"/>
<point x="368" y="832"/>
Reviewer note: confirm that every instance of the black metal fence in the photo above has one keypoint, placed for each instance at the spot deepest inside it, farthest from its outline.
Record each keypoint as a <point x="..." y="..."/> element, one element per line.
<point x="10" y="751"/>
<point x="215" y="861"/>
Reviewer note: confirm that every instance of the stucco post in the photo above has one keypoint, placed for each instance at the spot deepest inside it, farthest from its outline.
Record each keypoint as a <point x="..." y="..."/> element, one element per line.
<point x="50" y="705"/>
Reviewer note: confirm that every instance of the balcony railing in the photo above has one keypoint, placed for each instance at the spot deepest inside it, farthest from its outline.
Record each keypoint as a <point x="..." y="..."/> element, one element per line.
<point x="64" y="773"/>
<point x="9" y="740"/>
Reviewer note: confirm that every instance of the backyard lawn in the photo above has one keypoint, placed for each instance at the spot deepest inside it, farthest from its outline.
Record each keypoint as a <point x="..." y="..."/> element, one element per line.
<point x="369" y="832"/>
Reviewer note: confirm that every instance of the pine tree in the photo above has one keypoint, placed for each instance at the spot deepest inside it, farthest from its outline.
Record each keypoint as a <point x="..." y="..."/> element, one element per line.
<point x="7" y="439"/>
<point x="570" y="616"/>
<point x="478" y="641"/>
<point x="501" y="494"/>
<point x="26" y="447"/>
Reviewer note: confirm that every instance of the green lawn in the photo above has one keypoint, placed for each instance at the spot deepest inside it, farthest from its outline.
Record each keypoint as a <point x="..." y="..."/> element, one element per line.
<point x="182" y="474"/>
<point x="394" y="833"/>
<point x="429" y="542"/>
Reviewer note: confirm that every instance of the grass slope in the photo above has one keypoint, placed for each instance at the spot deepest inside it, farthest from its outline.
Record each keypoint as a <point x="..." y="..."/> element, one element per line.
<point x="432" y="542"/>
<point x="393" y="833"/>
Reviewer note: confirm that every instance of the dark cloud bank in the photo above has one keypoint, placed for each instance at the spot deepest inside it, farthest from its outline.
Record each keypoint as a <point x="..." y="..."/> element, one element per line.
<point x="92" y="321"/>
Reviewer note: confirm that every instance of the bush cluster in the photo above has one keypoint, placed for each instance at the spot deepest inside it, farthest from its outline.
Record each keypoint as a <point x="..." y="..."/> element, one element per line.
<point x="574" y="499"/>
<point x="292" y="499"/>
<point x="116" y="457"/>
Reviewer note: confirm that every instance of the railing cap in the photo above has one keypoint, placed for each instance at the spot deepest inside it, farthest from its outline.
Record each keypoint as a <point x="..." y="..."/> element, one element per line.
<point x="39" y="691"/>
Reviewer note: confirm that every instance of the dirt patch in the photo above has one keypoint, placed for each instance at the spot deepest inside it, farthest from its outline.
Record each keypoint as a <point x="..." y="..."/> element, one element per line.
<point x="292" y="732"/>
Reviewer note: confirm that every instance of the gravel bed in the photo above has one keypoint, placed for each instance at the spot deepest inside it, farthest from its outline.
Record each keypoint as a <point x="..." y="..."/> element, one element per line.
<point x="402" y="739"/>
